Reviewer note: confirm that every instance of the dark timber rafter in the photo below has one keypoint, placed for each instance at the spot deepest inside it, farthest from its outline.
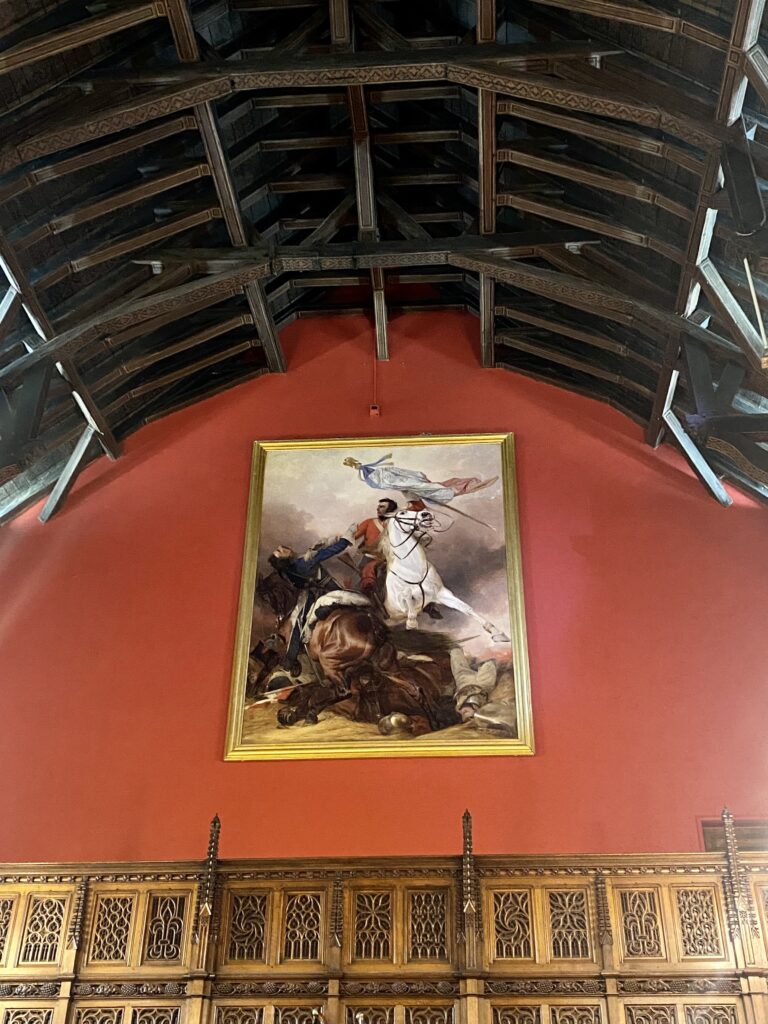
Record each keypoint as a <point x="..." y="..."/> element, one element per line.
<point x="745" y="28"/>
<point x="485" y="32"/>
<point x="368" y="230"/>
<point x="614" y="144"/>
<point x="187" y="49"/>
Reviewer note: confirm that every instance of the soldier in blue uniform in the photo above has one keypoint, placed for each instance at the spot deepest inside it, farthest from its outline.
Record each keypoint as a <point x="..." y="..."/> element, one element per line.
<point x="310" y="577"/>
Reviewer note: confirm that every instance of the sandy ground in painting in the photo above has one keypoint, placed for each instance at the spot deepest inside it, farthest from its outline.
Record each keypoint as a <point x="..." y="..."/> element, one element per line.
<point x="259" y="726"/>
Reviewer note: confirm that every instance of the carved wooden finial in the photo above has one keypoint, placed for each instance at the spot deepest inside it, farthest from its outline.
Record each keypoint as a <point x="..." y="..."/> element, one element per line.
<point x="466" y="822"/>
<point x="471" y="920"/>
<point x="740" y="906"/>
<point x="206" y="894"/>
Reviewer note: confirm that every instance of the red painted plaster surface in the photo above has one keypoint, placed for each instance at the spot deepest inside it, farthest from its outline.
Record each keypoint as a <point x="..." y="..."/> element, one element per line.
<point x="646" y="607"/>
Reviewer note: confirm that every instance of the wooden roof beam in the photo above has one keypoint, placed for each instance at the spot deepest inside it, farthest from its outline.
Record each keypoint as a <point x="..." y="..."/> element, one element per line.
<point x="107" y="204"/>
<point x="598" y="223"/>
<point x="341" y="25"/>
<point x="407" y="225"/>
<point x="731" y="315"/>
<point x="642" y="16"/>
<point x="624" y="137"/>
<point x="190" y="341"/>
<point x="9" y="310"/>
<point x="66" y="479"/>
<point x="485" y="32"/>
<point x="331" y="224"/>
<point x="741" y="183"/>
<point x="125" y="244"/>
<point x="362" y="67"/>
<point x="124" y="314"/>
<point x="261" y="261"/>
<point x="745" y="27"/>
<point x="756" y="69"/>
<point x="567" y="330"/>
<point x="187" y="371"/>
<point x="187" y="49"/>
<point x="692" y="453"/>
<point x="379" y="31"/>
<point x="594" y="177"/>
<point x="82" y="33"/>
<point x="367" y="223"/>
<point x="519" y="340"/>
<point x="136" y="110"/>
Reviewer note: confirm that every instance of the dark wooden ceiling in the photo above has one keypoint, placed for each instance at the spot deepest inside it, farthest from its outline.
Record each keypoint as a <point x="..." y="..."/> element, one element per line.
<point x="180" y="182"/>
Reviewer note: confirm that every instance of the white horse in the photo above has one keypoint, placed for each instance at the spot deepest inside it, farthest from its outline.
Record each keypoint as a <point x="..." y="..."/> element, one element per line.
<point x="412" y="581"/>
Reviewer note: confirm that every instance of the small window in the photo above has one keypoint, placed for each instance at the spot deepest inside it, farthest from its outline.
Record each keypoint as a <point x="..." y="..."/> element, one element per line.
<point x="751" y="834"/>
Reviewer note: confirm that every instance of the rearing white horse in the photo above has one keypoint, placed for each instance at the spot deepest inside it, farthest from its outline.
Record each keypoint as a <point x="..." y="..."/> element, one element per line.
<point x="412" y="581"/>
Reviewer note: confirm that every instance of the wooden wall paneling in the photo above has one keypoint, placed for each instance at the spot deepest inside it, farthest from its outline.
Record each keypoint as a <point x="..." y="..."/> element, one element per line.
<point x="546" y="928"/>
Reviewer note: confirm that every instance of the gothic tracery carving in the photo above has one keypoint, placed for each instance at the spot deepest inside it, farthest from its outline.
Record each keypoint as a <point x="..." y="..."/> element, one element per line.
<point x="428" y="1015"/>
<point x="698" y="922"/>
<point x="640" y="923"/>
<point x="165" y="927"/>
<point x="43" y="932"/>
<point x="239" y="1014"/>
<point x="512" y="920"/>
<point x="568" y="923"/>
<point x="99" y="1015"/>
<point x="293" y="1015"/>
<point x="31" y="1016"/>
<point x="303" y="912"/>
<point x="373" y="925"/>
<point x="516" y="1015"/>
<point x="651" y="1014"/>
<point x="156" y="1015"/>
<point x="370" y="1014"/>
<point x="428" y="932"/>
<point x="712" y="1014"/>
<point x="575" y="1014"/>
<point x="247" y="926"/>
<point x="112" y="928"/>
<point x="6" y="910"/>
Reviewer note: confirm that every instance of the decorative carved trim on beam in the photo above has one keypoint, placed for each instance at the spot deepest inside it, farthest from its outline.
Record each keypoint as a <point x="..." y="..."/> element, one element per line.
<point x="126" y="114"/>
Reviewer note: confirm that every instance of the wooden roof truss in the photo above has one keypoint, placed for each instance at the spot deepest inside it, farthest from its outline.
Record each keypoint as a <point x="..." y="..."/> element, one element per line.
<point x="178" y="182"/>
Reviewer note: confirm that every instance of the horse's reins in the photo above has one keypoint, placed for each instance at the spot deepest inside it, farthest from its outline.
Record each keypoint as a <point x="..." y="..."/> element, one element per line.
<point x="410" y="583"/>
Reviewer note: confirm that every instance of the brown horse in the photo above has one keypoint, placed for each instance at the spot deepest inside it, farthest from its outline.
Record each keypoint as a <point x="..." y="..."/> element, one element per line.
<point x="360" y="674"/>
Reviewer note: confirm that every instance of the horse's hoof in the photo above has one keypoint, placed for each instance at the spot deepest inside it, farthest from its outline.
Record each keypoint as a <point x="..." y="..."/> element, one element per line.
<point x="500" y="638"/>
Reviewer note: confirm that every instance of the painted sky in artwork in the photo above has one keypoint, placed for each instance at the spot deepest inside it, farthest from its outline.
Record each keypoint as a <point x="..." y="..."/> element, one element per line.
<point x="310" y="495"/>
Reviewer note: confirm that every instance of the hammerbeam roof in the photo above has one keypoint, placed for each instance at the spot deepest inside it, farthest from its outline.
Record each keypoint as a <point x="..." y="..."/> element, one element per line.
<point x="180" y="180"/>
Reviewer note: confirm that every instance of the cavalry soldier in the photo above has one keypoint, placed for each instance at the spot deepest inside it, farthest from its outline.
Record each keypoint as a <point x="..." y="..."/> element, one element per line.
<point x="369" y="533"/>
<point x="310" y="577"/>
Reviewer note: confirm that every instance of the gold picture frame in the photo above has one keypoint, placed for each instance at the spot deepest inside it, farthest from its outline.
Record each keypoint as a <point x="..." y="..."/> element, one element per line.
<point x="423" y="692"/>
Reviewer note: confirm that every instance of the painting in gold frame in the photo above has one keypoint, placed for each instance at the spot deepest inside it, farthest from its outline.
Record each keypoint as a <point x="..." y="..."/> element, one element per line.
<point x="381" y="604"/>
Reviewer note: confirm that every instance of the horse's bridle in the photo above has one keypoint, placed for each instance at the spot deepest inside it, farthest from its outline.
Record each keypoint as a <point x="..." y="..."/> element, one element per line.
<point x="414" y="527"/>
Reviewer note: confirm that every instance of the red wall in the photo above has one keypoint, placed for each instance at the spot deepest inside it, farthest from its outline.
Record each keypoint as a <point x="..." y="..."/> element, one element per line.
<point x="646" y="613"/>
